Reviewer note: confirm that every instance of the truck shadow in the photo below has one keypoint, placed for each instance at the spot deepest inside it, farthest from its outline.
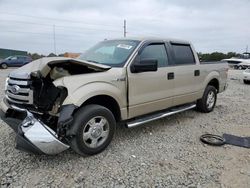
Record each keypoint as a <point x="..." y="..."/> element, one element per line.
<point x="123" y="138"/>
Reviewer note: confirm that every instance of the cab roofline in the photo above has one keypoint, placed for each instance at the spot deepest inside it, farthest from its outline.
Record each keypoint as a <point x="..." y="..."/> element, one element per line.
<point x="148" y="39"/>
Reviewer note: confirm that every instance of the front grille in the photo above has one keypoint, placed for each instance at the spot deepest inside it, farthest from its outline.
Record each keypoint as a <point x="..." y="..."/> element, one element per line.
<point x="19" y="91"/>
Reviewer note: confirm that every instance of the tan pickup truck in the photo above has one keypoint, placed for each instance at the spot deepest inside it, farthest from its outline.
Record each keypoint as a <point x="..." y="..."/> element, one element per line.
<point x="58" y="103"/>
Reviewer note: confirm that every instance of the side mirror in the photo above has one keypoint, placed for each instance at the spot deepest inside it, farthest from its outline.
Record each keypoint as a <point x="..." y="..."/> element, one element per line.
<point x="145" y="65"/>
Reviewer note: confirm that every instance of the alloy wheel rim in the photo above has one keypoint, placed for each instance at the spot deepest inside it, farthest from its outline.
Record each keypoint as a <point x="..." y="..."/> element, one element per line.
<point x="96" y="131"/>
<point x="210" y="99"/>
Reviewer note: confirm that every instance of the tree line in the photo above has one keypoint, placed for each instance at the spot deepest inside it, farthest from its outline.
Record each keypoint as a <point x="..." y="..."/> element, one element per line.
<point x="35" y="56"/>
<point x="216" y="56"/>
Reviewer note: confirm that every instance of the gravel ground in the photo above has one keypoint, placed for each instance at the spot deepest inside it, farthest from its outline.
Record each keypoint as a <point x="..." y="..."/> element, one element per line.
<point x="164" y="153"/>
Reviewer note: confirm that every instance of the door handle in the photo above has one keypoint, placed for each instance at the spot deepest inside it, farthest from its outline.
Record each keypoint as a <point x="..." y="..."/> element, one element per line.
<point x="170" y="76"/>
<point x="197" y="73"/>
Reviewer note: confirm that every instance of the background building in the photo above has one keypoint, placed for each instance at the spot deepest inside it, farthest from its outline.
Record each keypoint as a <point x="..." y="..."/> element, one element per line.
<point x="72" y="55"/>
<point x="4" y="53"/>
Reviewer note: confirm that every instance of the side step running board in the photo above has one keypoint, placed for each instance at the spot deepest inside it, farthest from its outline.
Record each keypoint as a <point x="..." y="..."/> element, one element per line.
<point x="160" y="115"/>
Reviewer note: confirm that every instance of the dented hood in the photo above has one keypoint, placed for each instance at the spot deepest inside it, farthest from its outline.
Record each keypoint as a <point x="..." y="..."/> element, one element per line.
<point x="42" y="65"/>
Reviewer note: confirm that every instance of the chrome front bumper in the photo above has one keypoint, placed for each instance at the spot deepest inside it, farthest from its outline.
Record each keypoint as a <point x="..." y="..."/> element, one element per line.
<point x="33" y="135"/>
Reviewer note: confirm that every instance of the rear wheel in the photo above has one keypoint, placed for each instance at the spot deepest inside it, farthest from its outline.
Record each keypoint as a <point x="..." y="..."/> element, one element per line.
<point x="207" y="102"/>
<point x="4" y="66"/>
<point x="94" y="127"/>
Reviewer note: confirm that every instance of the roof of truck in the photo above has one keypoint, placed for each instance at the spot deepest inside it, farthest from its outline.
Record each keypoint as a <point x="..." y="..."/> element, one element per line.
<point x="153" y="39"/>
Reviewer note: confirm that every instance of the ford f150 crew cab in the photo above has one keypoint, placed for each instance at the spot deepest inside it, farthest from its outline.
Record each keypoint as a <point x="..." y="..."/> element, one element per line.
<point x="58" y="103"/>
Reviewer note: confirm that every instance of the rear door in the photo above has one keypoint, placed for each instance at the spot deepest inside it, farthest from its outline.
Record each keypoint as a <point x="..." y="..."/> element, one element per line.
<point x="185" y="73"/>
<point x="150" y="91"/>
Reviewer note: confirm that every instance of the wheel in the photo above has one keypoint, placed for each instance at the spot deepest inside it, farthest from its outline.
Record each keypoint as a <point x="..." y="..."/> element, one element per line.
<point x="4" y="66"/>
<point x="207" y="102"/>
<point x="94" y="127"/>
<point x="246" y="81"/>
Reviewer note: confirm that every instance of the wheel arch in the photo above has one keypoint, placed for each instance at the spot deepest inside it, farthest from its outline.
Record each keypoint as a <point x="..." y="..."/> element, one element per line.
<point x="214" y="82"/>
<point x="106" y="101"/>
<point x="212" y="79"/>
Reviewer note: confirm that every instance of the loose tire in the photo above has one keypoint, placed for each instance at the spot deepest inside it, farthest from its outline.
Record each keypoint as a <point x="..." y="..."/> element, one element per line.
<point x="207" y="102"/>
<point x="4" y="66"/>
<point x="94" y="127"/>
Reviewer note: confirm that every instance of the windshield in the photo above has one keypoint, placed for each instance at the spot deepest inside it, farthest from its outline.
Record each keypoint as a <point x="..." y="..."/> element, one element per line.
<point x="110" y="52"/>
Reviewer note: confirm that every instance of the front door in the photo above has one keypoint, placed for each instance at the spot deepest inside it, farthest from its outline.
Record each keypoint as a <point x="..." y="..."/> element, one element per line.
<point x="150" y="91"/>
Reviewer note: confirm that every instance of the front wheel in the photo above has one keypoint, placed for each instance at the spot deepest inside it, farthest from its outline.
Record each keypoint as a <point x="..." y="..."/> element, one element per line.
<point x="94" y="127"/>
<point x="207" y="102"/>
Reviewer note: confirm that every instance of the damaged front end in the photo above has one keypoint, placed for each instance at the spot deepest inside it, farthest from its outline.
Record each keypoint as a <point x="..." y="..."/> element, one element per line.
<point x="33" y="105"/>
<point x="33" y="135"/>
<point x="36" y="137"/>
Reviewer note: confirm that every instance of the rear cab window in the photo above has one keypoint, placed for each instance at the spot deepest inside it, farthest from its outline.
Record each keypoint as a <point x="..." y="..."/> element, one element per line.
<point x="183" y="54"/>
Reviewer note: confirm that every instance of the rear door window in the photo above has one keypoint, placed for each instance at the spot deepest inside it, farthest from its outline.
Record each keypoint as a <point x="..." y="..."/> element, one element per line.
<point x="22" y="58"/>
<point x="183" y="54"/>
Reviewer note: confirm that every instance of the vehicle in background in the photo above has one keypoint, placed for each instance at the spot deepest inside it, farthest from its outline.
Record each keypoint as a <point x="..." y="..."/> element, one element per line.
<point x="246" y="76"/>
<point x="15" y="61"/>
<point x="242" y="66"/>
<point x="241" y="62"/>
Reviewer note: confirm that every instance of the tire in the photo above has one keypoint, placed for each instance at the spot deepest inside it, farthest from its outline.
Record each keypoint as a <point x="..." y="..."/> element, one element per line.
<point x="246" y="81"/>
<point x="4" y="66"/>
<point x="87" y="123"/>
<point x="207" y="102"/>
<point x="214" y="140"/>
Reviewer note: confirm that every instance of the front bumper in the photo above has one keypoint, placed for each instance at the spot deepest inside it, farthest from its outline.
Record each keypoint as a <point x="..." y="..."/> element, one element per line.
<point x="32" y="134"/>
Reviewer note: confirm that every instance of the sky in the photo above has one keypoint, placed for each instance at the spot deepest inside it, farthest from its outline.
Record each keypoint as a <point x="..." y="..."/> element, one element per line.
<point x="60" y="26"/>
